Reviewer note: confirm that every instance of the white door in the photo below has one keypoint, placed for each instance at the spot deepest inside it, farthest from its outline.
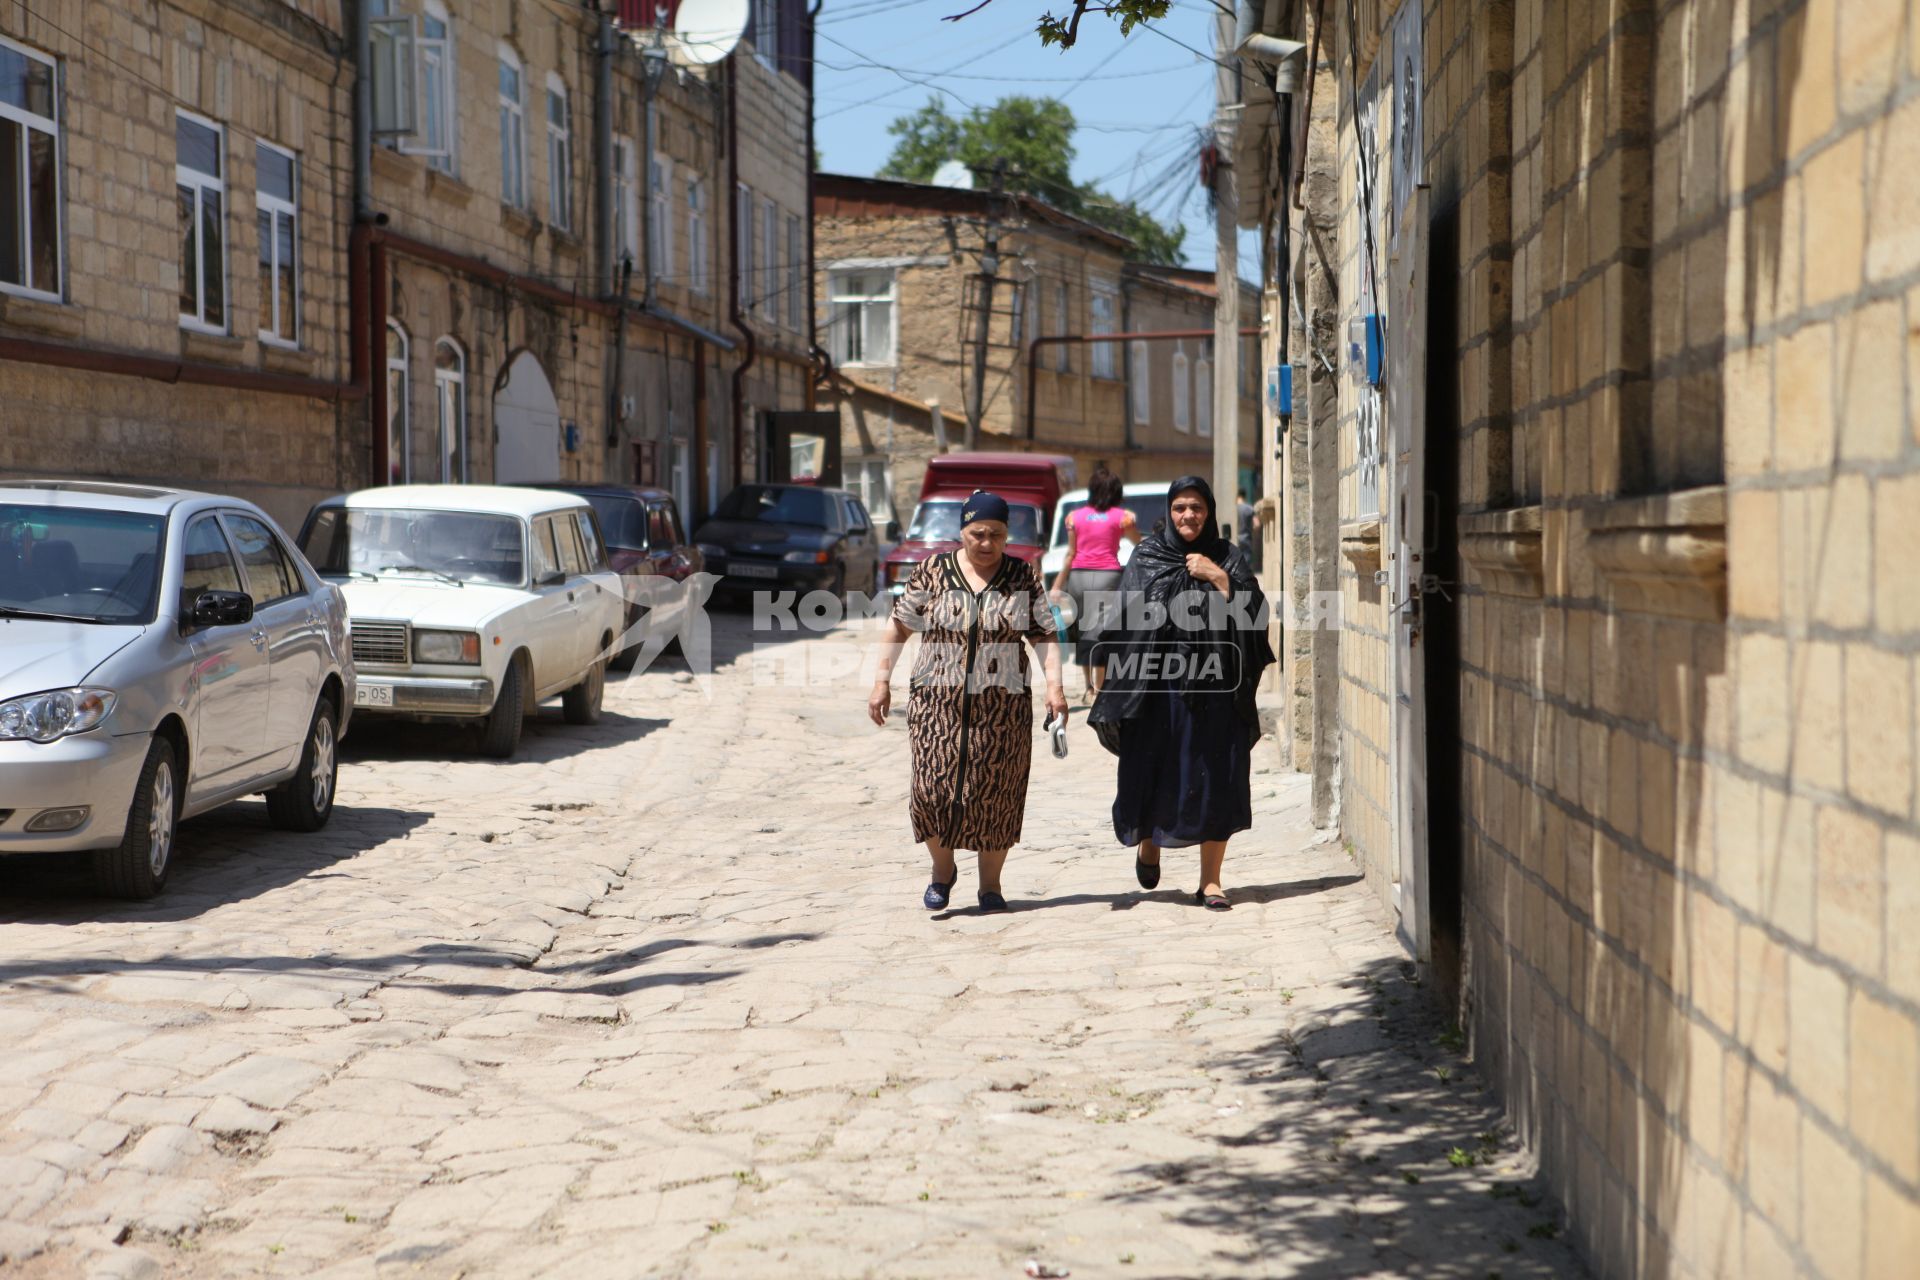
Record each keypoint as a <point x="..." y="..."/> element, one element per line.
<point x="526" y="425"/>
<point x="553" y="616"/>
<point x="1406" y="289"/>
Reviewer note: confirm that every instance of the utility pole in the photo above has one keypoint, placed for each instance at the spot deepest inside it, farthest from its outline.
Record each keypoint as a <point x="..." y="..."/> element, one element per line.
<point x="983" y="323"/>
<point x="1226" y="310"/>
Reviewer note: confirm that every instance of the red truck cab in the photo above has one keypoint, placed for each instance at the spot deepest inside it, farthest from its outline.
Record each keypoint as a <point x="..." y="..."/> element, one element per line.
<point x="1030" y="482"/>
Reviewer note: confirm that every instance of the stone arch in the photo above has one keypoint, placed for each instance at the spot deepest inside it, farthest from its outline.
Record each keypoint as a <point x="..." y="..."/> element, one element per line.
<point x="526" y="424"/>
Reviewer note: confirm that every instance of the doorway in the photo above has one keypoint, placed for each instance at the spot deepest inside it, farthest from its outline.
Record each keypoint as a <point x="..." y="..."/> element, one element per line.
<point x="526" y="425"/>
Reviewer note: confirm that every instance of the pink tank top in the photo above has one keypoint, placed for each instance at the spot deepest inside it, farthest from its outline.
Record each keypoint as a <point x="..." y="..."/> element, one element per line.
<point x="1100" y="533"/>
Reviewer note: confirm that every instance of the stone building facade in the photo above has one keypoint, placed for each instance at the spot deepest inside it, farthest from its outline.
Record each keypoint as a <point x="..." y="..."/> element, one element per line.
<point x="898" y="264"/>
<point x="1619" y="710"/>
<point x="530" y="275"/>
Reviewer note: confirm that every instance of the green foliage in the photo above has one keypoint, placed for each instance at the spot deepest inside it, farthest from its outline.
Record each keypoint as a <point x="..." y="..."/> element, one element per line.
<point x="1129" y="13"/>
<point x="1028" y="142"/>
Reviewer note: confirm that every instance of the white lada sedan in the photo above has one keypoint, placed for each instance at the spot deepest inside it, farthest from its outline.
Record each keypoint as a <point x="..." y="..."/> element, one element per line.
<point x="471" y="602"/>
<point x="161" y="652"/>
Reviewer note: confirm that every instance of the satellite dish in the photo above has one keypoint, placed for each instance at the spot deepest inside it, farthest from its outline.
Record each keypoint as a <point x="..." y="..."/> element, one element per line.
<point x="705" y="31"/>
<point x="953" y="174"/>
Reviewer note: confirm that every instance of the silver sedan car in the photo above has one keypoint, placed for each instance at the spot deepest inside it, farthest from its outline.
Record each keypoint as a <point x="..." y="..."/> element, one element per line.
<point x="161" y="652"/>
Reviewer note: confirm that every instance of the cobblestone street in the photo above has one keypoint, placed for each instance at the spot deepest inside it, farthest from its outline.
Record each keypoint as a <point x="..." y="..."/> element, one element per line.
<point x="658" y="999"/>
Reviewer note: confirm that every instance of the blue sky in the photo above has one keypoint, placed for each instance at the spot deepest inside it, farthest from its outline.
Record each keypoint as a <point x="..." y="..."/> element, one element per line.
<point x="1140" y="102"/>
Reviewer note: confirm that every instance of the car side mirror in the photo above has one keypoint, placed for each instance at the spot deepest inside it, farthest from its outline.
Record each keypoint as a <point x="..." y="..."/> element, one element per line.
<point x="222" y="609"/>
<point x="893" y="531"/>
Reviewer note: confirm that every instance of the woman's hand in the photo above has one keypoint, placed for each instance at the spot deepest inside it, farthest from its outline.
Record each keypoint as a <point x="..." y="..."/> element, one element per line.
<point x="1057" y="702"/>
<point x="880" y="701"/>
<point x="1207" y="571"/>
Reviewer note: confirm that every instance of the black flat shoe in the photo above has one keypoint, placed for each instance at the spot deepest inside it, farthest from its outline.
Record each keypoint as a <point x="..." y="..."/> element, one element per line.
<point x="1211" y="901"/>
<point x="992" y="903"/>
<point x="1147" y="873"/>
<point x="935" y="898"/>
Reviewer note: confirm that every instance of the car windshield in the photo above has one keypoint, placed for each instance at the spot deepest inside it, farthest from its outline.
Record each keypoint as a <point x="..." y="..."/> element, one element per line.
<point x="772" y="504"/>
<point x="467" y="545"/>
<point x="938" y="520"/>
<point x="1146" y="508"/>
<point x="79" y="563"/>
<point x="624" y="520"/>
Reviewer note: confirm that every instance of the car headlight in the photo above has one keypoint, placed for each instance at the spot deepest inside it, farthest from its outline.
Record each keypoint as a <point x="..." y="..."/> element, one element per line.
<point x="446" y="646"/>
<point x="710" y="551"/>
<point x="806" y="557"/>
<point x="44" y="717"/>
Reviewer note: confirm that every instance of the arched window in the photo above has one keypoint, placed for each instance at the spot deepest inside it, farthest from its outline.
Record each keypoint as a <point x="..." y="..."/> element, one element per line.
<point x="398" y="469"/>
<point x="1180" y="389"/>
<point x="450" y="400"/>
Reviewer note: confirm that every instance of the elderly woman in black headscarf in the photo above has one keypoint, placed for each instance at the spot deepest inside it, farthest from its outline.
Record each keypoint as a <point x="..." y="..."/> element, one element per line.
<point x="970" y="700"/>
<point x="1178" y="703"/>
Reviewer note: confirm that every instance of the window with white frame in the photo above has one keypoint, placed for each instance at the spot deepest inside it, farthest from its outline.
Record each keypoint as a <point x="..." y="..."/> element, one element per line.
<point x="769" y="259"/>
<point x="1141" y="383"/>
<point x="438" y="117"/>
<point x="660" y="261"/>
<point x="766" y="31"/>
<point x="869" y="481"/>
<point x="1062" y="324"/>
<point x="513" y="130"/>
<point x="1181" y="388"/>
<point x="29" y="173"/>
<point x="743" y="245"/>
<point x="200" y="182"/>
<point x="450" y="409"/>
<point x="626" y="202"/>
<point x="697" y="235"/>
<point x="796" y="274"/>
<point x="398" y="468"/>
<point x="559" y="156"/>
<point x="1106" y="362"/>
<point x="1203" y="395"/>
<point x="861" y="316"/>
<point x="276" y="179"/>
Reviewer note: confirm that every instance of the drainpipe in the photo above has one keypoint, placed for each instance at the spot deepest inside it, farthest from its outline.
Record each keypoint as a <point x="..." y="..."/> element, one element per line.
<point x="603" y="151"/>
<point x="1126" y="357"/>
<point x="822" y="361"/>
<point x="366" y="260"/>
<point x="616" y="392"/>
<point x="734" y="313"/>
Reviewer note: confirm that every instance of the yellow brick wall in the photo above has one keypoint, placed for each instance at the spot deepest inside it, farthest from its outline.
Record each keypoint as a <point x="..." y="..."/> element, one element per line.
<point x="1689" y="288"/>
<point x="121" y="252"/>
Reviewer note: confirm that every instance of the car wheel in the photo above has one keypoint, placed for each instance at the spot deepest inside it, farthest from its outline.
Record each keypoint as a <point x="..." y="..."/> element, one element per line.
<point x="137" y="867"/>
<point x="581" y="704"/>
<point x="501" y="736"/>
<point x="304" y="802"/>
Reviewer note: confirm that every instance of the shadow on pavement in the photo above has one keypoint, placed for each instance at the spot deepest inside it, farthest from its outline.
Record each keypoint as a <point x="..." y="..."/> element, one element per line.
<point x="1243" y="895"/>
<point x="391" y="968"/>
<point x="228" y="855"/>
<point x="547" y="737"/>
<point x="1395" y="1157"/>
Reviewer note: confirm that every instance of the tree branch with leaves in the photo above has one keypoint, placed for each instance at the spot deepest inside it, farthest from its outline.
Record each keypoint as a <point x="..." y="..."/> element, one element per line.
<point x="1064" y="31"/>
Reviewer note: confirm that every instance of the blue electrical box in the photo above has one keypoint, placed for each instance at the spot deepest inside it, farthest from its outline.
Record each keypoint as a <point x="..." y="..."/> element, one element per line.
<point x="570" y="436"/>
<point x="1366" y="349"/>
<point x="1280" y="390"/>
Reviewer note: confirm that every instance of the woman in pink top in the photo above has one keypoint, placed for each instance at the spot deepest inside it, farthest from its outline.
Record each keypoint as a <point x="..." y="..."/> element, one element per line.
<point x="1091" y="576"/>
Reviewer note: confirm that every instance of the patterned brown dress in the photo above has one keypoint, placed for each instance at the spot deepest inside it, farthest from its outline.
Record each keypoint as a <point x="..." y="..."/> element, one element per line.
<point x="970" y="701"/>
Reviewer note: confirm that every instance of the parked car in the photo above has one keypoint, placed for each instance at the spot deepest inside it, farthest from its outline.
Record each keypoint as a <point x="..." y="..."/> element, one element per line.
<point x="800" y="536"/>
<point x="1030" y="482"/>
<point x="161" y="653"/>
<point x="1148" y="502"/>
<point x="471" y="602"/>
<point x="645" y="538"/>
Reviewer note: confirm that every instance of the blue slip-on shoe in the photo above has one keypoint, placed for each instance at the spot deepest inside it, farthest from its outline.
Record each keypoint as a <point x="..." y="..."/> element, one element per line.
<point x="935" y="898"/>
<point x="992" y="902"/>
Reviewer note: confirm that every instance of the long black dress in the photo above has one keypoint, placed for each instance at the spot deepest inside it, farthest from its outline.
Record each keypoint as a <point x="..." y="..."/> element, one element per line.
<point x="1184" y="730"/>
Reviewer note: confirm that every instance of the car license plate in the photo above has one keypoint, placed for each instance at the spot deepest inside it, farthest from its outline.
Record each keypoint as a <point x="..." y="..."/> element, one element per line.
<point x="756" y="570"/>
<point x="373" y="695"/>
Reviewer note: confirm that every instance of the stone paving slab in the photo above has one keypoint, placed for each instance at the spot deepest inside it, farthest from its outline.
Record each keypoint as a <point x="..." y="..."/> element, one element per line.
<point x="657" y="1000"/>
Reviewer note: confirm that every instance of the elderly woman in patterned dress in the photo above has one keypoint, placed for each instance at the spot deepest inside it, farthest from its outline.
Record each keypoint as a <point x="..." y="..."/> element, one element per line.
<point x="970" y="702"/>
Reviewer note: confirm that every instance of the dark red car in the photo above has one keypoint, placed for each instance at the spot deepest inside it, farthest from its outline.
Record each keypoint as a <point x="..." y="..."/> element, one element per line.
<point x="645" y="536"/>
<point x="1030" y="482"/>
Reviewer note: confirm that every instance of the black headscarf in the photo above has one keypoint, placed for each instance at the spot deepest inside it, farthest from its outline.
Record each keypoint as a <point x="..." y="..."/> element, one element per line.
<point x="1155" y="581"/>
